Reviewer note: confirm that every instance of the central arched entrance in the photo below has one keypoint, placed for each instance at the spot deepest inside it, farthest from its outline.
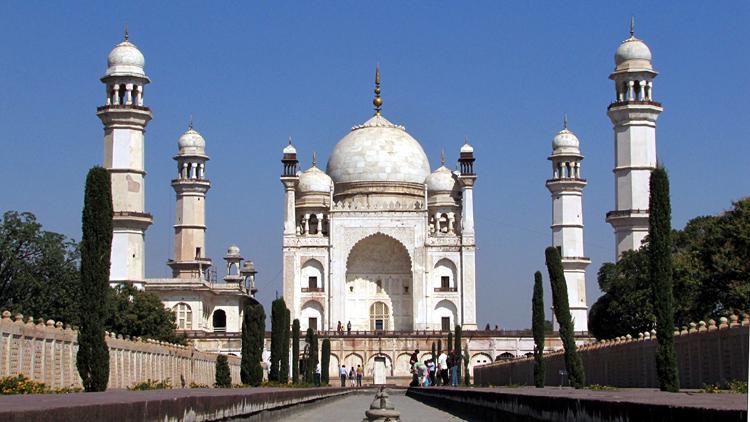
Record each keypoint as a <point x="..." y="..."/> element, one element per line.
<point x="379" y="285"/>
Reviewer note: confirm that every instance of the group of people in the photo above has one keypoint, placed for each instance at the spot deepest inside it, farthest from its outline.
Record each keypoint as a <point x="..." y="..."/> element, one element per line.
<point x="433" y="373"/>
<point x="340" y="328"/>
<point x="354" y="375"/>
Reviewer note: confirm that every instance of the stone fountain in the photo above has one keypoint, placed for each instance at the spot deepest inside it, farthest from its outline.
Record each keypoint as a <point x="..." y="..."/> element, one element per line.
<point x="381" y="409"/>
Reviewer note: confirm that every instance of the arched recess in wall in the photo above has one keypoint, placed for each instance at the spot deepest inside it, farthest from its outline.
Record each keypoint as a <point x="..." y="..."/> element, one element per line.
<point x="353" y="359"/>
<point x="371" y="363"/>
<point x="444" y="275"/>
<point x="333" y="368"/>
<point x="480" y="359"/>
<point x="311" y="316"/>
<point x="219" y="320"/>
<point x="312" y="276"/>
<point x="445" y="309"/>
<point x="402" y="368"/>
<point x="505" y="356"/>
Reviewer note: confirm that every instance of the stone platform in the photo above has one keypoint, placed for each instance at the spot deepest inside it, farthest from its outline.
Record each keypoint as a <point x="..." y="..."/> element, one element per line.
<point x="567" y="404"/>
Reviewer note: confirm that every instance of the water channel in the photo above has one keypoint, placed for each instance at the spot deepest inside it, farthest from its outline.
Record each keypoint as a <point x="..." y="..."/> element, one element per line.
<point x="352" y="407"/>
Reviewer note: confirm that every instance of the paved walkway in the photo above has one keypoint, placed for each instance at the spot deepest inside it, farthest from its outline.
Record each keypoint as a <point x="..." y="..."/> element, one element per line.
<point x="352" y="408"/>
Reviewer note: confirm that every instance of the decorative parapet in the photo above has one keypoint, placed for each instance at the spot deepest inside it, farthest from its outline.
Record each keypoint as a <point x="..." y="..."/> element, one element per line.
<point x="379" y="206"/>
<point x="45" y="351"/>
<point x="627" y="361"/>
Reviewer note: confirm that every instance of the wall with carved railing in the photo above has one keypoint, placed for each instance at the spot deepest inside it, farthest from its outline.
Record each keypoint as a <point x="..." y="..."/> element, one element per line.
<point x="706" y="354"/>
<point x="46" y="352"/>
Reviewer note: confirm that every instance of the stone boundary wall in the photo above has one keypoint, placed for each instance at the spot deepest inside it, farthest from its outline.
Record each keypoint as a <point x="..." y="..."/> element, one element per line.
<point x="706" y="354"/>
<point x="46" y="352"/>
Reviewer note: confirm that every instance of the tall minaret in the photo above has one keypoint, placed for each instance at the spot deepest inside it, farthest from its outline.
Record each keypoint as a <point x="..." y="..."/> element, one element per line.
<point x="125" y="118"/>
<point x="190" y="186"/>
<point x="633" y="114"/>
<point x="467" y="178"/>
<point x="566" y="186"/>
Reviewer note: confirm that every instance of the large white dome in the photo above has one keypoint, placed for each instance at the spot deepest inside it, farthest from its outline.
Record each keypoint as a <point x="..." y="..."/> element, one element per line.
<point x="378" y="151"/>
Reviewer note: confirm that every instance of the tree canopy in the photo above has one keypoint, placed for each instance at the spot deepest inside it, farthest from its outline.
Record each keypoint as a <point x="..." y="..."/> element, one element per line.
<point x="711" y="276"/>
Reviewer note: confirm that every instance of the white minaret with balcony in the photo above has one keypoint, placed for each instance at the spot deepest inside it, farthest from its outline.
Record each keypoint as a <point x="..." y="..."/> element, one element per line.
<point x="125" y="118"/>
<point x="191" y="185"/>
<point x="633" y="115"/>
<point x="566" y="187"/>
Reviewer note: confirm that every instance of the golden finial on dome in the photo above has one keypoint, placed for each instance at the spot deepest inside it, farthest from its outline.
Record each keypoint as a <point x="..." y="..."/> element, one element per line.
<point x="377" y="102"/>
<point x="315" y="159"/>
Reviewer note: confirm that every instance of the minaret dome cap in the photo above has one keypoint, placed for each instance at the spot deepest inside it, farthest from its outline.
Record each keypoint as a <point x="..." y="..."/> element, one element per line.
<point x="125" y="60"/>
<point x="191" y="141"/>
<point x="566" y="141"/>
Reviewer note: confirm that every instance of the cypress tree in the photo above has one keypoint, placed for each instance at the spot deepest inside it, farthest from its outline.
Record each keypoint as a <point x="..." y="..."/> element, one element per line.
<point x="573" y="362"/>
<point x="223" y="376"/>
<point x="309" y="368"/>
<point x="449" y="346"/>
<point x="325" y="361"/>
<point x="278" y="314"/>
<point x="295" y="351"/>
<point x="284" y="368"/>
<point x="253" y="331"/>
<point x="314" y="359"/>
<point x="458" y="354"/>
<point x="439" y="350"/>
<point x="467" y="375"/>
<point x="92" y="359"/>
<point x="660" y="272"/>
<point x="537" y="327"/>
<point x="434" y="352"/>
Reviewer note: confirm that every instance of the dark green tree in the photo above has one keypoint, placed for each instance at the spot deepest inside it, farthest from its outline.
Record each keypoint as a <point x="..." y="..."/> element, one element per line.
<point x="223" y="376"/>
<point x="295" y="351"/>
<point x="39" y="274"/>
<point x="325" y="361"/>
<point x="253" y="332"/>
<point x="278" y="315"/>
<point x="309" y="362"/>
<point x="458" y="354"/>
<point x="660" y="270"/>
<point x="92" y="359"/>
<point x="138" y="313"/>
<point x="449" y="346"/>
<point x="537" y="328"/>
<point x="434" y="352"/>
<point x="467" y="374"/>
<point x="439" y="351"/>
<point x="284" y="369"/>
<point x="573" y="362"/>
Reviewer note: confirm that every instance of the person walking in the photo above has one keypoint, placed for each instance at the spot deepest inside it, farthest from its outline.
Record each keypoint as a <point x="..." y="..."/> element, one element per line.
<point x="340" y="328"/>
<point x="443" y="367"/>
<point x="412" y="368"/>
<point x="360" y="373"/>
<point x="342" y="374"/>
<point x="353" y="377"/>
<point x="431" y="370"/>
<point x="317" y="375"/>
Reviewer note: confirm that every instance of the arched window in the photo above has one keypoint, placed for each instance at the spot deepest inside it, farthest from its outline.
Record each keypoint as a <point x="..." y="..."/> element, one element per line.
<point x="184" y="316"/>
<point x="379" y="316"/>
<point x="220" y="320"/>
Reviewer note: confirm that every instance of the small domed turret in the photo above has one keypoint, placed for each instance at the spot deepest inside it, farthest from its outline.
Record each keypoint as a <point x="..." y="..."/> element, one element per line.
<point x="314" y="180"/>
<point x="125" y="60"/>
<point x="191" y="141"/>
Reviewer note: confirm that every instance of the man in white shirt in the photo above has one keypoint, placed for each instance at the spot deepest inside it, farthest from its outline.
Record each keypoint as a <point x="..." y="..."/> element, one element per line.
<point x="342" y="374"/>
<point x="443" y="366"/>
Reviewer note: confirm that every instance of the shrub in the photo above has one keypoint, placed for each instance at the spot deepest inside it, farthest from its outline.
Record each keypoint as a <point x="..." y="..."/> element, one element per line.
<point x="19" y="384"/>
<point x="150" y="384"/>
<point x="223" y="376"/>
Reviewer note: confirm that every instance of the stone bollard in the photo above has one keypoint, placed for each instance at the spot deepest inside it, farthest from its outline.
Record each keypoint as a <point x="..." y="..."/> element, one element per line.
<point x="723" y="323"/>
<point x="733" y="320"/>
<point x="50" y="323"/>
<point x="692" y="328"/>
<point x="19" y="318"/>
<point x="6" y="315"/>
<point x="653" y="333"/>
<point x="702" y="326"/>
<point x="381" y="409"/>
<point x="712" y="325"/>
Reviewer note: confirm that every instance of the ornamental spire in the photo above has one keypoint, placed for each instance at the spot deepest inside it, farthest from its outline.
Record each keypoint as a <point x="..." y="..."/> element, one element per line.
<point x="190" y="122"/>
<point x="315" y="159"/>
<point x="442" y="157"/>
<point x="126" y="31"/>
<point x="565" y="121"/>
<point x="632" y="26"/>
<point x="377" y="102"/>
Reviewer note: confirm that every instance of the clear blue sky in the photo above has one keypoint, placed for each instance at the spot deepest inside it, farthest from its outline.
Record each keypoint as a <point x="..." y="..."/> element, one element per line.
<point x="500" y="73"/>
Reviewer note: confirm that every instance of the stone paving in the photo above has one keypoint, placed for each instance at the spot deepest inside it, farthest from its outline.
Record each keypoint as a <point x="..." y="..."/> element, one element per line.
<point x="352" y="408"/>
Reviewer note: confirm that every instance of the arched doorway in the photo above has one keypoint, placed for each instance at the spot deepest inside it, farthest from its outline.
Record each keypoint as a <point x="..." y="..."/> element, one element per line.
<point x="379" y="270"/>
<point x="219" y="320"/>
